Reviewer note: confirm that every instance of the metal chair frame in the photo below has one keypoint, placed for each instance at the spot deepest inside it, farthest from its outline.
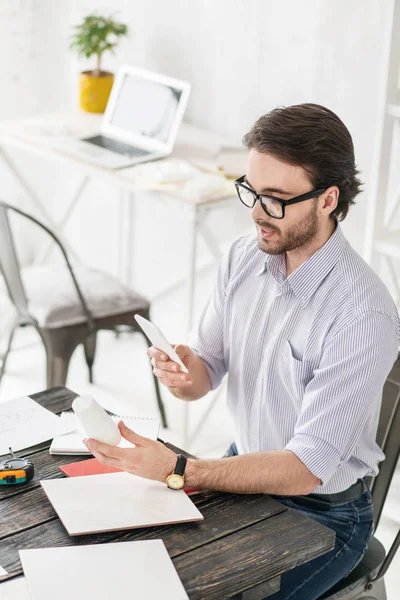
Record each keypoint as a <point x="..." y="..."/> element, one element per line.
<point x="65" y="339"/>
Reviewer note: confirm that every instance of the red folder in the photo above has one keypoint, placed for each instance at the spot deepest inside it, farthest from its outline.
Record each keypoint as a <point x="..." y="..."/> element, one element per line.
<point x="87" y="467"/>
<point x="95" y="467"/>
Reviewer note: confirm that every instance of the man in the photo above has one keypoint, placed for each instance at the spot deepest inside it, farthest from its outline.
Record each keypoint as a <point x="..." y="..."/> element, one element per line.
<point x="308" y="334"/>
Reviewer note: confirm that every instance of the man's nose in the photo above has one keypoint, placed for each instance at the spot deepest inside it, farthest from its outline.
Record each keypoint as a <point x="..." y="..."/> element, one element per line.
<point x="257" y="212"/>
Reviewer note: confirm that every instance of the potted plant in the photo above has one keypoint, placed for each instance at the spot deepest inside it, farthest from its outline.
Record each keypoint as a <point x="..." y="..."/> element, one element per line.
<point x="94" y="36"/>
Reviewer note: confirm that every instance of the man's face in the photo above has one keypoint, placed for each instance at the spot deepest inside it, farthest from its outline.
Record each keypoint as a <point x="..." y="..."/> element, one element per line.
<point x="301" y="223"/>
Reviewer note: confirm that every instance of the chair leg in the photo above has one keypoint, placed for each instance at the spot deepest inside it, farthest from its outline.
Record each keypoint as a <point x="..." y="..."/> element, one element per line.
<point x="57" y="370"/>
<point x="59" y="348"/>
<point x="160" y="403"/>
<point x="90" y="352"/>
<point x="7" y="352"/>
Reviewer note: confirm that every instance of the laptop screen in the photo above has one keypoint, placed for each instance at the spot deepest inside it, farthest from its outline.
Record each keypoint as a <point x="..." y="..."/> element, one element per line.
<point x="144" y="107"/>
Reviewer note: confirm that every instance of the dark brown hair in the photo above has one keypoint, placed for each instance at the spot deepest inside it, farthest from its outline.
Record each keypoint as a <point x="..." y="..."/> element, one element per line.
<point x="313" y="137"/>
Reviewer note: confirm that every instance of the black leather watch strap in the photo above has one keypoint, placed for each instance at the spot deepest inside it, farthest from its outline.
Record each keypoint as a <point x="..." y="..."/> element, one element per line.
<point x="180" y="465"/>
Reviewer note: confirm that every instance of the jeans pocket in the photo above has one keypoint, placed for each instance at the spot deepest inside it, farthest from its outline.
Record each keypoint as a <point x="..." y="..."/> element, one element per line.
<point x="364" y="507"/>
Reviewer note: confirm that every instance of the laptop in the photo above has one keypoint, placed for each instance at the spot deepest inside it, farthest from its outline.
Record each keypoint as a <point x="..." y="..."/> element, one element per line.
<point x="140" y="123"/>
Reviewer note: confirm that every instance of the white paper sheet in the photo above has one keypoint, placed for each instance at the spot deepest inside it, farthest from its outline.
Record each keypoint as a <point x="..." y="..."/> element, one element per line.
<point x="15" y="589"/>
<point x="24" y="423"/>
<point x="116" y="501"/>
<point x="72" y="443"/>
<point x="140" y="569"/>
<point x="3" y="572"/>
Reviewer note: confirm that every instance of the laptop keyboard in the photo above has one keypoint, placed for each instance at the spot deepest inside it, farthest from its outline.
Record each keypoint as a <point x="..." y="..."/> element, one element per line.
<point x="115" y="146"/>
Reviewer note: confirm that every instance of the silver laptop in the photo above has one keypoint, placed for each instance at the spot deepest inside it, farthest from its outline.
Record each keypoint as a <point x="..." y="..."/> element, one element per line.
<point x="140" y="123"/>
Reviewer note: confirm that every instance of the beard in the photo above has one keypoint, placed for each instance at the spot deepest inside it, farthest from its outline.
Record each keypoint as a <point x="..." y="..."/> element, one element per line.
<point x="300" y="234"/>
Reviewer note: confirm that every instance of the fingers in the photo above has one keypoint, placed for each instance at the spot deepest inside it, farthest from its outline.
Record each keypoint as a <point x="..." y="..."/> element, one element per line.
<point x="160" y="361"/>
<point x="168" y="372"/>
<point x="182" y="350"/>
<point x="171" y="379"/>
<point x="168" y="365"/>
<point x="154" y="352"/>
<point x="107" y="460"/>
<point x="110" y="451"/>
<point x="131" y="436"/>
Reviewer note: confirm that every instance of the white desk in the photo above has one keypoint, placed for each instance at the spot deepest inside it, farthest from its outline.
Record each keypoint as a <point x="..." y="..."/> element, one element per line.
<point x="38" y="135"/>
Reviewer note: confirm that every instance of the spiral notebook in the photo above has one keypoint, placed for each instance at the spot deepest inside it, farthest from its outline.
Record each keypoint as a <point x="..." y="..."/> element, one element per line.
<point x="72" y="444"/>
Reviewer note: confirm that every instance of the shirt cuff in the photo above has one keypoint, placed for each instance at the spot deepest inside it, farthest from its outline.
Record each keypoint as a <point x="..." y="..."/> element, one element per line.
<point x="215" y="375"/>
<point x="320" y="457"/>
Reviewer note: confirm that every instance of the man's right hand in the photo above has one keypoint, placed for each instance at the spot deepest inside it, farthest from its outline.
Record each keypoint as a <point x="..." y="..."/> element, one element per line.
<point x="168" y="372"/>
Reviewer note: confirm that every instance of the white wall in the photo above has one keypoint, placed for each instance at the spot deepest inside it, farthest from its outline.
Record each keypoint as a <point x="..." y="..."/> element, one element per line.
<point x="242" y="57"/>
<point x="18" y="69"/>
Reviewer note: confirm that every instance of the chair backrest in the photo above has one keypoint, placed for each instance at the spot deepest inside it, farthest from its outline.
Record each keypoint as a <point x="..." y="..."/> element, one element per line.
<point x="388" y="438"/>
<point x="9" y="264"/>
<point x="11" y="270"/>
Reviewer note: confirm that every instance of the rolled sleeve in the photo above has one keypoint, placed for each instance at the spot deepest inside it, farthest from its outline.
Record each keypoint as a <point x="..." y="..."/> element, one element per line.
<point x="344" y="392"/>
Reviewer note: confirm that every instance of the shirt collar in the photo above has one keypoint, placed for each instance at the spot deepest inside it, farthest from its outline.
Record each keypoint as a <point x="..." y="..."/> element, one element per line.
<point x="305" y="280"/>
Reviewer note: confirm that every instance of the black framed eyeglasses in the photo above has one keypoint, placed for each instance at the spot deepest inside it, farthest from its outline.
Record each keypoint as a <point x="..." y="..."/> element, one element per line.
<point x="274" y="207"/>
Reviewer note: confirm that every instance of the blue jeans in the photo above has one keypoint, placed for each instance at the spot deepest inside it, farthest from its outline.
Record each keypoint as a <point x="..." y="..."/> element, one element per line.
<point x="353" y="525"/>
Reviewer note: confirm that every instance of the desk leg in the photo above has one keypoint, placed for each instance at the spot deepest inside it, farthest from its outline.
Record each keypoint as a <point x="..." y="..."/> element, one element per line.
<point x="210" y="242"/>
<point x="126" y="236"/>
<point x="130" y="237"/>
<point x="121" y="236"/>
<point x="193" y="223"/>
<point x="202" y="229"/>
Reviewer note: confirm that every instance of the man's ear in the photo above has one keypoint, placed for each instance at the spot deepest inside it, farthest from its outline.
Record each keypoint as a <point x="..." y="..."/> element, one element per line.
<point x="330" y="199"/>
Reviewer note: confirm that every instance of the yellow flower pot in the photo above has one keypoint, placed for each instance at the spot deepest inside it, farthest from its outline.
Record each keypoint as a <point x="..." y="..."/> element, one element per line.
<point x="94" y="91"/>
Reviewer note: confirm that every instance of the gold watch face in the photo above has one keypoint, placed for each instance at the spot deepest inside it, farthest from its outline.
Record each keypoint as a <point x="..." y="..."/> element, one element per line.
<point x="175" y="481"/>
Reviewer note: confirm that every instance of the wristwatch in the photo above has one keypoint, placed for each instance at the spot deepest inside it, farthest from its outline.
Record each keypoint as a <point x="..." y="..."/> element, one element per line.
<point x="176" y="480"/>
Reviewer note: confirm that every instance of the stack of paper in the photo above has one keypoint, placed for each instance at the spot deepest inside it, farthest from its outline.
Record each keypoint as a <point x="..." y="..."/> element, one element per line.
<point x="24" y="423"/>
<point x="116" y="501"/>
<point x="126" y="570"/>
<point x="72" y="443"/>
<point x="164" y="171"/>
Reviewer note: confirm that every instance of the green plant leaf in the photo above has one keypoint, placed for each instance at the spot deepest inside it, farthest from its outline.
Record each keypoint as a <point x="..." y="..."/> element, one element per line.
<point x="97" y="34"/>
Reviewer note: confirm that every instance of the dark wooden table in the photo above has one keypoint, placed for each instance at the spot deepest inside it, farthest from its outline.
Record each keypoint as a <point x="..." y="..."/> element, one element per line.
<point x="243" y="545"/>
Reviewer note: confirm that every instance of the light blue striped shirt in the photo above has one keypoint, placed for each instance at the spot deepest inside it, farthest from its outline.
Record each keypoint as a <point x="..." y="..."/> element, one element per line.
<point x="307" y="355"/>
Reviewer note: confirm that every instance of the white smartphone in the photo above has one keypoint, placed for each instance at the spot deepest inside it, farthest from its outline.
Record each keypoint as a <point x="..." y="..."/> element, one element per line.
<point x="159" y="340"/>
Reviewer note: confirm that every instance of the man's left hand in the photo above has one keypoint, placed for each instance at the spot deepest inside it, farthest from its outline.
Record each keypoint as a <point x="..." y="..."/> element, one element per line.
<point x="149" y="459"/>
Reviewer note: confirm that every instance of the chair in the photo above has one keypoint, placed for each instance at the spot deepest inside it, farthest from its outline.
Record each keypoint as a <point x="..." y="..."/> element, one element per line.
<point x="366" y="581"/>
<point x="67" y="306"/>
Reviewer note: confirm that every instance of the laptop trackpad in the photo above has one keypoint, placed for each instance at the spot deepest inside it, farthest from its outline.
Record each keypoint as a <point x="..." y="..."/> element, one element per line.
<point x="91" y="150"/>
